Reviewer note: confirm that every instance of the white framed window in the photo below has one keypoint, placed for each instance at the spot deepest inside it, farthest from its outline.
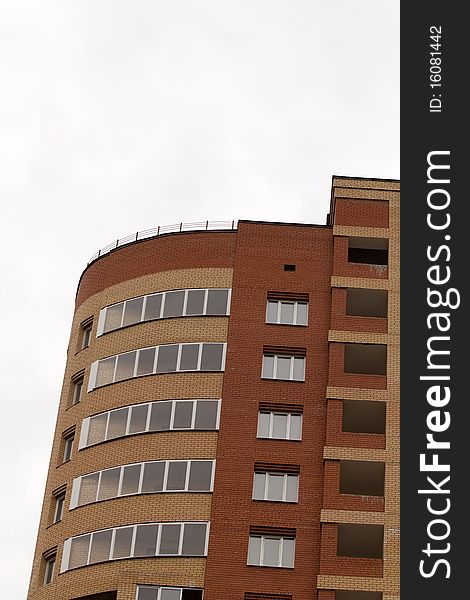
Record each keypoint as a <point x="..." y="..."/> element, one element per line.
<point x="59" y="500"/>
<point x="143" y="478"/>
<point x="287" y="312"/>
<point x="77" y="388"/>
<point x="136" y="541"/>
<point x="279" y="425"/>
<point x="168" y="358"/>
<point x="162" y="305"/>
<point x="201" y="414"/>
<point x="86" y="335"/>
<point x="284" y="367"/>
<point x="153" y="592"/>
<point x="271" y="551"/>
<point x="49" y="568"/>
<point x="67" y="446"/>
<point x="276" y="486"/>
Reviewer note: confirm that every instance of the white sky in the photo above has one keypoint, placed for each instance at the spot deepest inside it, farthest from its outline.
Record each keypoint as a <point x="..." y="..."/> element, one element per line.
<point x="117" y="116"/>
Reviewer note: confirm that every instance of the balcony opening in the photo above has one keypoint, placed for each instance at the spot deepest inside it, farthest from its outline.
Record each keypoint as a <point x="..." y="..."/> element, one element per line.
<point x="369" y="251"/>
<point x="366" y="359"/>
<point x="360" y="541"/>
<point x="366" y="303"/>
<point x="363" y="416"/>
<point x="100" y="596"/>
<point x="353" y="595"/>
<point x="362" y="477"/>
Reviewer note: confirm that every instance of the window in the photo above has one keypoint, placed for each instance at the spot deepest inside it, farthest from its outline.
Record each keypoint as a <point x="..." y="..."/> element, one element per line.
<point x="169" y="358"/>
<point x="67" y="443"/>
<point x="49" y="565"/>
<point x="289" y="267"/>
<point x="163" y="305"/>
<point x="271" y="551"/>
<point x="151" y="592"/>
<point x="59" y="499"/>
<point x="284" y="367"/>
<point x="164" y="415"/>
<point x="132" y="541"/>
<point x="77" y="387"/>
<point x="286" y="312"/>
<point x="143" y="478"/>
<point x="277" y="486"/>
<point x="86" y="335"/>
<point x="279" y="425"/>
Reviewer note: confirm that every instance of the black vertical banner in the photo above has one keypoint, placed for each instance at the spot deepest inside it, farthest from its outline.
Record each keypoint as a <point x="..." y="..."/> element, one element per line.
<point x="435" y="268"/>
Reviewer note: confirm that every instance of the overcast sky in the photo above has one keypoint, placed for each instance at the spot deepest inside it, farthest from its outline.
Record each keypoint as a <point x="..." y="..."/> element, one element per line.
<point x="117" y="116"/>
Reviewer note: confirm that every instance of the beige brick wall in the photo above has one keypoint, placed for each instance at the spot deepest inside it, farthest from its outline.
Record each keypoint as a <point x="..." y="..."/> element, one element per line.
<point x="123" y="575"/>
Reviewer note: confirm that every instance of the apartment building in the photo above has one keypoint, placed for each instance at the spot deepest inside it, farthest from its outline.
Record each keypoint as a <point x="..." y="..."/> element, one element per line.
<point x="229" y="421"/>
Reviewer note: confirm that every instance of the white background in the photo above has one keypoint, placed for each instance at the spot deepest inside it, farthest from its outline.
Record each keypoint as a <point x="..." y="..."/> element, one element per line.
<point x="117" y="116"/>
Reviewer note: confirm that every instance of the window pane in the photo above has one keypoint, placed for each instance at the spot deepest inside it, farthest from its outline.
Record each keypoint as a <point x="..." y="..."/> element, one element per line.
<point x="133" y="311"/>
<point x="117" y="423"/>
<point x="295" y="427"/>
<point x="170" y="594"/>
<point x="268" y="367"/>
<point x="200" y="475"/>
<point x="189" y="356"/>
<point x="174" y="302"/>
<point x="299" y="368"/>
<point x="100" y="546"/>
<point x="125" y="366"/>
<point x="88" y="489"/>
<point x="160" y="417"/>
<point x="97" y="429"/>
<point x="263" y="424"/>
<point x="283" y="367"/>
<point x="176" y="476"/>
<point x="68" y="448"/>
<point x="49" y="571"/>
<point x="153" y="477"/>
<point x="122" y="542"/>
<point x="279" y="426"/>
<point x="191" y="595"/>
<point x="183" y="415"/>
<point x="152" y="307"/>
<point x="287" y="313"/>
<point x="254" y="550"/>
<point x="105" y="371"/>
<point x="206" y="414"/>
<point x="258" y="486"/>
<point x="147" y="593"/>
<point x="292" y="488"/>
<point x="113" y="317"/>
<point x="271" y="313"/>
<point x="275" y="486"/>
<point x="272" y="547"/>
<point x="288" y="553"/>
<point x="130" y="480"/>
<point x="146" y="540"/>
<point x="138" y="418"/>
<point x="169" y="542"/>
<point x="194" y="539"/>
<point x="217" y="302"/>
<point x="211" y="357"/>
<point x="109" y="484"/>
<point x="167" y="356"/>
<point x="195" y="302"/>
<point x="146" y="361"/>
<point x="302" y="313"/>
<point x="79" y="551"/>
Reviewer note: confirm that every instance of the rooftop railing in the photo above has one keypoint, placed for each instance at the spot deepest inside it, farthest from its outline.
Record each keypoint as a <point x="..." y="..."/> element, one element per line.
<point x="161" y="230"/>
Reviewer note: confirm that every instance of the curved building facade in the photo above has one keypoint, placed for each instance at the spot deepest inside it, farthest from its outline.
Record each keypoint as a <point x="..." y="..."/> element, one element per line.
<point x="227" y="425"/>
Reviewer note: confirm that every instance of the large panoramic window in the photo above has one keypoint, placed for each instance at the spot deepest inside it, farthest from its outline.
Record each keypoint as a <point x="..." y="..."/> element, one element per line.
<point x="152" y="592"/>
<point x="164" y="415"/>
<point x="169" y="358"/>
<point x="135" y="541"/>
<point x="143" y="478"/>
<point x="175" y="303"/>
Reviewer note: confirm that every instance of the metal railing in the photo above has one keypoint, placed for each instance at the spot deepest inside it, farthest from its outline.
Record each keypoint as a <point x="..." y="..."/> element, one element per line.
<point x="160" y="230"/>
